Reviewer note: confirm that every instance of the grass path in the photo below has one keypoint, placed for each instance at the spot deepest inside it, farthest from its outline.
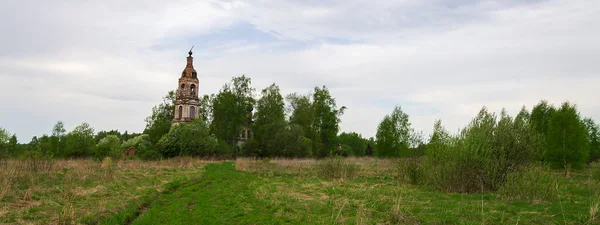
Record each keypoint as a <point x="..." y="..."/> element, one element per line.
<point x="223" y="196"/>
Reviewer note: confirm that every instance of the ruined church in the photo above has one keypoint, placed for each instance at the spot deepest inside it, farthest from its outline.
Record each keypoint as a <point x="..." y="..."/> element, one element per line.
<point x="187" y="103"/>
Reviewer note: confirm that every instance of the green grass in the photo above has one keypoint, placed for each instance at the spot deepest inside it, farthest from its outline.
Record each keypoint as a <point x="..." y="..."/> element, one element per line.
<point x="271" y="192"/>
<point x="82" y="192"/>
<point x="227" y="196"/>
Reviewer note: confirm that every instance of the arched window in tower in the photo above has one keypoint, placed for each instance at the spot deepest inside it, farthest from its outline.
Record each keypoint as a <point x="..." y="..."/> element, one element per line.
<point x="180" y="112"/>
<point x="194" y="75"/>
<point x="193" y="90"/>
<point x="192" y="112"/>
<point x="182" y="89"/>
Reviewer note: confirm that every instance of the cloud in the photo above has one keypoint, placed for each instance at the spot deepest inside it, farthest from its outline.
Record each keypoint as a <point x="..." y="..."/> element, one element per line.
<point x="109" y="62"/>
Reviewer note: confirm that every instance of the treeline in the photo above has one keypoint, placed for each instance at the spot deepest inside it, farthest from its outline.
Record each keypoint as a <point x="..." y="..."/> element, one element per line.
<point x="307" y="125"/>
<point x="491" y="148"/>
<point x="297" y="125"/>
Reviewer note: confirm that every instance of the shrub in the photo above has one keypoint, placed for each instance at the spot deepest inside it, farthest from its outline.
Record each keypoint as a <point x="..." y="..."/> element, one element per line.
<point x="35" y="161"/>
<point x="531" y="183"/>
<point x="481" y="156"/>
<point x="411" y="170"/>
<point x="108" y="167"/>
<point x="251" y="148"/>
<point x="336" y="168"/>
<point x="108" y="146"/>
<point x="189" y="139"/>
<point x="143" y="147"/>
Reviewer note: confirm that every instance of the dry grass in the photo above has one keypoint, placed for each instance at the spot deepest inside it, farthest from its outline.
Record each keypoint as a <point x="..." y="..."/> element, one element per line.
<point x="306" y="167"/>
<point x="64" y="191"/>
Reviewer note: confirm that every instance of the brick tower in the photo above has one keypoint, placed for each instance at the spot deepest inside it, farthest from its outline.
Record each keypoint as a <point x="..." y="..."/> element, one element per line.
<point x="187" y="104"/>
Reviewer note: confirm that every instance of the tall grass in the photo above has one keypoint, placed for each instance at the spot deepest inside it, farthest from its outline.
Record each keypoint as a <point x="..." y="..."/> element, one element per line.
<point x="34" y="189"/>
<point x="336" y="168"/>
<point x="534" y="183"/>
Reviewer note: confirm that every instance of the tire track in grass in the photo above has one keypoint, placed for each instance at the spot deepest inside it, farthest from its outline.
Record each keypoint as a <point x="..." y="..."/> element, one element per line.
<point x="223" y="196"/>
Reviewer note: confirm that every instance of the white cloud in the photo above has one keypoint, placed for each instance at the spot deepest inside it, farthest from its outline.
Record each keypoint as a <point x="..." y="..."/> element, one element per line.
<point x="98" y="61"/>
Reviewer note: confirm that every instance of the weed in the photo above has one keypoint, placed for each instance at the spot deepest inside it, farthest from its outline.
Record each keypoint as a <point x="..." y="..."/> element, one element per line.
<point x="336" y="168"/>
<point x="534" y="183"/>
<point x="36" y="162"/>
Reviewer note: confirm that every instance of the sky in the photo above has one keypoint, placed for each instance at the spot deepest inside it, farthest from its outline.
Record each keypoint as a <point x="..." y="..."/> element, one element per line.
<point x="108" y="62"/>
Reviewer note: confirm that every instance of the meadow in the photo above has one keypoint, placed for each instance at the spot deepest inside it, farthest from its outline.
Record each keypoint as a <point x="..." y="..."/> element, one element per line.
<point x="363" y="190"/>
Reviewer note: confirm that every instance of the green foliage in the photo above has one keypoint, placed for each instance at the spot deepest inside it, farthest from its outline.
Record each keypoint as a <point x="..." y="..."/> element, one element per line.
<point x="336" y="168"/>
<point x="411" y="170"/>
<point x="102" y="134"/>
<point x="188" y="139"/>
<point x="4" y="138"/>
<point x="354" y="142"/>
<point x="269" y="121"/>
<point x="540" y="117"/>
<point x="319" y="119"/>
<point x="531" y="183"/>
<point x="302" y="114"/>
<point x="159" y="123"/>
<point x="232" y="108"/>
<point x="143" y="147"/>
<point x="567" y="140"/>
<point x="109" y="146"/>
<point x="11" y="146"/>
<point x="394" y="135"/>
<point x="594" y="137"/>
<point x="58" y="132"/>
<point x="251" y="148"/>
<point x="80" y="141"/>
<point x="481" y="157"/>
<point x="326" y="120"/>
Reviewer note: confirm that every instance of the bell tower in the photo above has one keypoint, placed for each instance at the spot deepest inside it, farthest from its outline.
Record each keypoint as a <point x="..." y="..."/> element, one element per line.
<point x="187" y="104"/>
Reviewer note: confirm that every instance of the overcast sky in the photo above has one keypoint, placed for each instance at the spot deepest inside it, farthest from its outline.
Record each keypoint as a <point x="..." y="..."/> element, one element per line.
<point x="107" y="62"/>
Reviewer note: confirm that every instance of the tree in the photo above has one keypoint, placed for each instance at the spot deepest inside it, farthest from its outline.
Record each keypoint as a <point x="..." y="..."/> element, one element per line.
<point x="231" y="108"/>
<point x="327" y="119"/>
<point x="354" y="141"/>
<point x="394" y="135"/>
<point x="594" y="137"/>
<point x="102" y="134"/>
<point x="206" y="108"/>
<point x="58" y="132"/>
<point x="12" y="144"/>
<point x="80" y="141"/>
<point x="110" y="145"/>
<point x="4" y="138"/>
<point x="540" y="117"/>
<point x="159" y="123"/>
<point x="302" y="114"/>
<point x="188" y="139"/>
<point x="269" y="115"/>
<point x="143" y="147"/>
<point x="567" y="139"/>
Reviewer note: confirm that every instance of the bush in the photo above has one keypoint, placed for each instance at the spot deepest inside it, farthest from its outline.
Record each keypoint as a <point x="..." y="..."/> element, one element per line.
<point x="251" y="148"/>
<point x="143" y="147"/>
<point x="108" y="167"/>
<point x="188" y="139"/>
<point x="35" y="161"/>
<point x="531" y="183"/>
<point x="108" y="146"/>
<point x="336" y="168"/>
<point x="411" y="170"/>
<point x="481" y="156"/>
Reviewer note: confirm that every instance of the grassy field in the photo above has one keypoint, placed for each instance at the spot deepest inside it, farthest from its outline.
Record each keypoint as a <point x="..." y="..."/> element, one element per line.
<point x="85" y="191"/>
<point x="278" y="191"/>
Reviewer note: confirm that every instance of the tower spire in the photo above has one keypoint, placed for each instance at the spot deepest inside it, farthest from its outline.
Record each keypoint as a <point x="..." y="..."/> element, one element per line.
<point x="187" y="104"/>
